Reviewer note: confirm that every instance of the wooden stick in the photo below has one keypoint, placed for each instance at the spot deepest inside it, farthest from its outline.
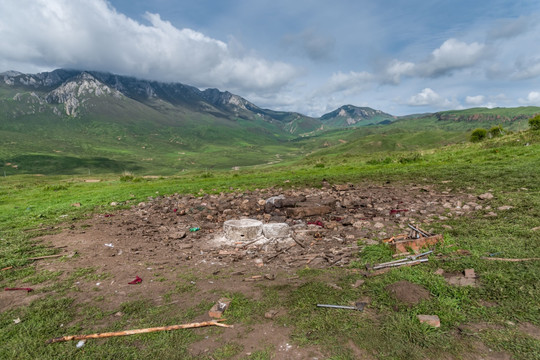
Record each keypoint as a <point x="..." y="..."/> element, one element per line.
<point x="46" y="257"/>
<point x="138" y="331"/>
<point x="7" y="268"/>
<point x="507" y="259"/>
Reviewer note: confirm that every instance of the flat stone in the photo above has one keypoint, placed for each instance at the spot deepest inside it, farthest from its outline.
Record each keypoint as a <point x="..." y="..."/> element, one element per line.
<point x="486" y="196"/>
<point x="469" y="273"/>
<point x="505" y="207"/>
<point x="431" y="320"/>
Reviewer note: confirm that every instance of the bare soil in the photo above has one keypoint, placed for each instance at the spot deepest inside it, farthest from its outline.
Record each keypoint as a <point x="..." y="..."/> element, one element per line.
<point x="153" y="240"/>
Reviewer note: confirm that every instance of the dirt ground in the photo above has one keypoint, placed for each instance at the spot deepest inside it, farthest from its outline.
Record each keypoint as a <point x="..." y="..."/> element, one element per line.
<point x="152" y="240"/>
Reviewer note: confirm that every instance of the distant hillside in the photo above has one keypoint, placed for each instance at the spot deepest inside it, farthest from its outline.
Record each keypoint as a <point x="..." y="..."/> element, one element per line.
<point x="70" y="121"/>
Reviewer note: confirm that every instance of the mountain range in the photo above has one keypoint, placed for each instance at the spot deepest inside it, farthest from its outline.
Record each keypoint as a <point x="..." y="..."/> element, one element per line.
<point x="71" y="120"/>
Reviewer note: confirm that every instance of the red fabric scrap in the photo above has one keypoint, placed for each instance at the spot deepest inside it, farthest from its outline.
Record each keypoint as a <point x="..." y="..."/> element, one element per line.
<point x="175" y="210"/>
<point x="136" y="281"/>
<point x="318" y="223"/>
<point x="25" y="289"/>
<point x="395" y="211"/>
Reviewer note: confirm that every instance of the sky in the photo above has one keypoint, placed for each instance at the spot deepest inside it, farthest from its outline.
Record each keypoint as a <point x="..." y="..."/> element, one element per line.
<point x="309" y="56"/>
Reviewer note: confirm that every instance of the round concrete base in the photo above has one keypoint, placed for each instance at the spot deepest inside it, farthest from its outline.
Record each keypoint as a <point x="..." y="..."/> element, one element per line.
<point x="242" y="230"/>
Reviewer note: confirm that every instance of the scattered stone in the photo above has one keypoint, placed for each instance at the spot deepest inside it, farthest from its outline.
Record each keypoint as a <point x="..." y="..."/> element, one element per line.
<point x="119" y="314"/>
<point x="358" y="283"/>
<point x="114" y="203"/>
<point x="491" y="214"/>
<point x="301" y="212"/>
<point x="505" y="207"/>
<point x="535" y="228"/>
<point x="431" y="320"/>
<point x="76" y="204"/>
<point x="486" y="196"/>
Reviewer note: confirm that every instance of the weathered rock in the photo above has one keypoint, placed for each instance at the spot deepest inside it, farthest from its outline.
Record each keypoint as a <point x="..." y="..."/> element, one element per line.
<point x="301" y="212"/>
<point x="486" y="196"/>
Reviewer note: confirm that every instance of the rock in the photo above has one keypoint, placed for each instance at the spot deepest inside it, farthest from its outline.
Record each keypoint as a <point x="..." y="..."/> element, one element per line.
<point x="76" y="204"/>
<point x="358" y="283"/>
<point x="378" y="225"/>
<point x="505" y="207"/>
<point x="486" y="196"/>
<point x="491" y="214"/>
<point x="431" y="320"/>
<point x="219" y="308"/>
<point x="114" y="203"/>
<point x="270" y="314"/>
<point x="301" y="212"/>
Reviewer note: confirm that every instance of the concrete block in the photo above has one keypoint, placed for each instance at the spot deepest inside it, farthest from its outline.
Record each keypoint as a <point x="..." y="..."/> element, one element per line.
<point x="242" y="230"/>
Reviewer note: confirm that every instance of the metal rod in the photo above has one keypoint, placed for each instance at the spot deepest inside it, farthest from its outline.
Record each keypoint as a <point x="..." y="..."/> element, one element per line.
<point x="337" y="306"/>
<point x="400" y="264"/>
<point x="419" y="231"/>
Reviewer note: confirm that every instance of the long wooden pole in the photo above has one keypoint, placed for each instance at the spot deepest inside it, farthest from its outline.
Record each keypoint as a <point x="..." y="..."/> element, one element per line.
<point x="137" y="331"/>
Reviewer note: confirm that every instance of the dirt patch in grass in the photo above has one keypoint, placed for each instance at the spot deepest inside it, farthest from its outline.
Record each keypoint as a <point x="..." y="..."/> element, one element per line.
<point x="181" y="269"/>
<point x="408" y="293"/>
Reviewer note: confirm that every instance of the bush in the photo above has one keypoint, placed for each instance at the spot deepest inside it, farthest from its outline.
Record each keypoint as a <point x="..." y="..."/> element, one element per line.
<point x="496" y="131"/>
<point x="534" y="122"/>
<point x="478" y="135"/>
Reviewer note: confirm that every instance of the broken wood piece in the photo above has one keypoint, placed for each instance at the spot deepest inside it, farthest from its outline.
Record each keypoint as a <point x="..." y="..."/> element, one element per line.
<point x="219" y="308"/>
<point x="508" y="259"/>
<point x="299" y="243"/>
<point x="416" y="244"/>
<point x="7" y="268"/>
<point x="138" y="331"/>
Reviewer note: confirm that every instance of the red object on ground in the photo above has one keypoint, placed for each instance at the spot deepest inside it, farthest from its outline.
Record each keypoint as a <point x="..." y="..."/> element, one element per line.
<point x="25" y="289"/>
<point x="175" y="210"/>
<point x="136" y="281"/>
<point x="318" y="223"/>
<point x="395" y="211"/>
<point x="108" y="215"/>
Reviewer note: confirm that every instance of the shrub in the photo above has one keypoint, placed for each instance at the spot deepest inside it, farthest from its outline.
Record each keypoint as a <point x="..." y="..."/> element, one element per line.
<point x="496" y="131"/>
<point x="534" y="122"/>
<point x="478" y="135"/>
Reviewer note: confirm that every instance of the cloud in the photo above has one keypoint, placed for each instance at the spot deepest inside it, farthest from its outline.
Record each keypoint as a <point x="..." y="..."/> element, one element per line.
<point x="475" y="100"/>
<point x="533" y="98"/>
<point x="509" y="28"/>
<point x="428" y="97"/>
<point x="451" y="55"/>
<point x="527" y="68"/>
<point x="92" y="35"/>
<point x="308" y="43"/>
<point x="351" y="82"/>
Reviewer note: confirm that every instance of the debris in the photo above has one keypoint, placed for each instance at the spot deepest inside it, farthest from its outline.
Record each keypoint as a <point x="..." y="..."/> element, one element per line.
<point x="414" y="241"/>
<point x="318" y="223"/>
<point x="254" y="278"/>
<point x="194" y="229"/>
<point x="270" y="276"/>
<point x="219" y="308"/>
<point x="396" y="211"/>
<point x="46" y="257"/>
<point x="358" y="283"/>
<point x="17" y="320"/>
<point x="16" y="288"/>
<point x="409" y="260"/>
<point x="138" y="331"/>
<point x="508" y="259"/>
<point x="431" y="320"/>
<point x="108" y="215"/>
<point x="80" y="344"/>
<point x="109" y="245"/>
<point x="136" y="281"/>
<point x="359" y="306"/>
<point x="76" y="204"/>
<point x="505" y="207"/>
<point x="7" y="268"/>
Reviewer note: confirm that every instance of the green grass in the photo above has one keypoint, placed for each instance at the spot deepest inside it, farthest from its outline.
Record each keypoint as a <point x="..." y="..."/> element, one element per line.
<point x="505" y="166"/>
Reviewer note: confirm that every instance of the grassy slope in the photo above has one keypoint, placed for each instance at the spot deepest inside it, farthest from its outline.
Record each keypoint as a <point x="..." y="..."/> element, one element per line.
<point x="504" y="166"/>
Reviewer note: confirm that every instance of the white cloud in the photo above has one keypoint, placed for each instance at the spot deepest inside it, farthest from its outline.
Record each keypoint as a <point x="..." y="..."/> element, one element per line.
<point x="428" y="97"/>
<point x="451" y="55"/>
<point x="92" y="35"/>
<point x="533" y="98"/>
<point x="475" y="100"/>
